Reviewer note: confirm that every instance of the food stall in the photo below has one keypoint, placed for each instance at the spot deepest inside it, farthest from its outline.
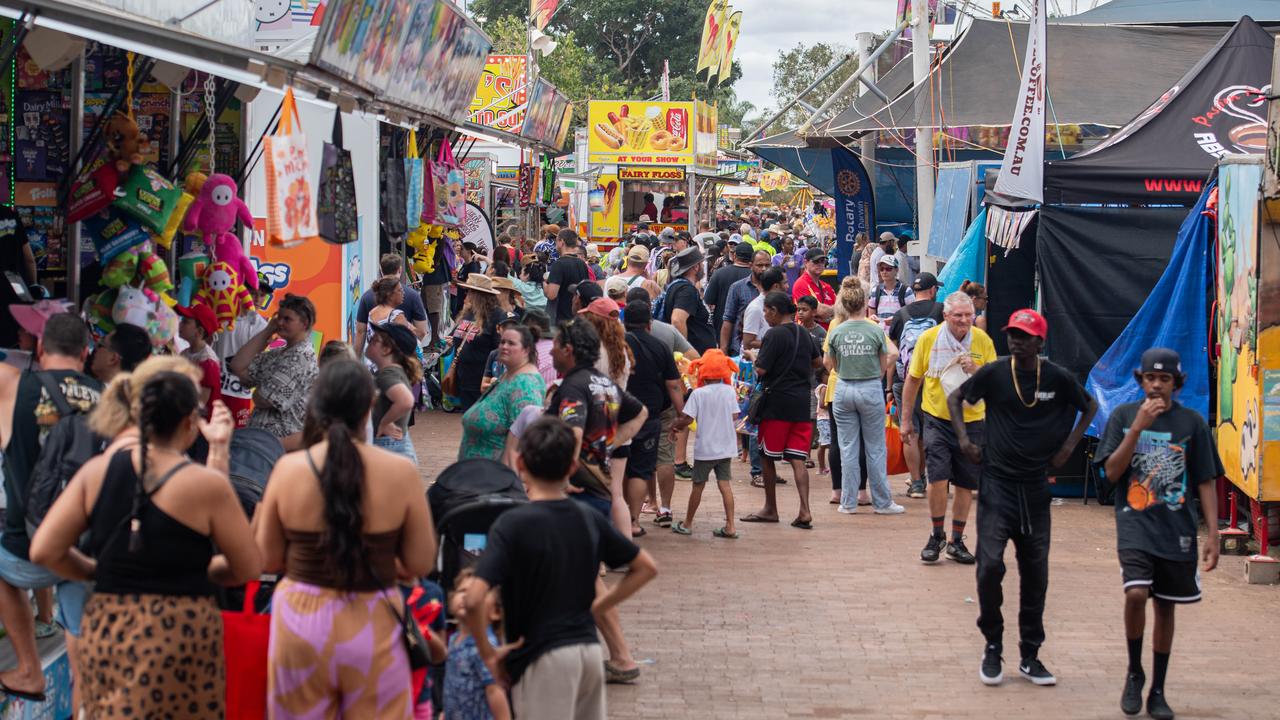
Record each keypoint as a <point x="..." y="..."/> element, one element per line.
<point x="650" y="158"/>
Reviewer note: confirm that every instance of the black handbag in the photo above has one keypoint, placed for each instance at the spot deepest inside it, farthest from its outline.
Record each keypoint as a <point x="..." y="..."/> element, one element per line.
<point x="760" y="394"/>
<point x="394" y="196"/>
<point x="415" y="645"/>
<point x="336" y="213"/>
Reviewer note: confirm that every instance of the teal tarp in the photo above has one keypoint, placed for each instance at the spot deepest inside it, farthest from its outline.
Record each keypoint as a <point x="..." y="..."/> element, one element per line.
<point x="967" y="260"/>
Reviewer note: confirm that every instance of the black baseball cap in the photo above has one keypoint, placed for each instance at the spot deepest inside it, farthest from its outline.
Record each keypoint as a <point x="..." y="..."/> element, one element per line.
<point x="588" y="291"/>
<point x="744" y="251"/>
<point x="1161" y="360"/>
<point x="925" y="281"/>
<point x="400" y="336"/>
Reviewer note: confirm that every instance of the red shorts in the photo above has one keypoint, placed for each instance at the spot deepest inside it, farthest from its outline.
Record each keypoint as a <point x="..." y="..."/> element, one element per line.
<point x="782" y="438"/>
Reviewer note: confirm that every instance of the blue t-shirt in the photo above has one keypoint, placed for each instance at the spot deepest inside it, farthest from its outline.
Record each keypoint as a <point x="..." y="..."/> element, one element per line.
<point x="465" y="679"/>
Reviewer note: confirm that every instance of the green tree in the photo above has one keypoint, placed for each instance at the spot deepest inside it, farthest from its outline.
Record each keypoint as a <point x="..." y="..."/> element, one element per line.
<point x="795" y="69"/>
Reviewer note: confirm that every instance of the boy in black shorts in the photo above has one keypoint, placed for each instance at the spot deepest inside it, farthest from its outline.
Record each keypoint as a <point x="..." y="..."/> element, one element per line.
<point x="1157" y="451"/>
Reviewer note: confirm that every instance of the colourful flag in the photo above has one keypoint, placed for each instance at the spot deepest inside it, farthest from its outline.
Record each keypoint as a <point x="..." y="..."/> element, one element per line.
<point x="1022" y="170"/>
<point x="708" y="51"/>
<point x="540" y="12"/>
<point x="730" y="34"/>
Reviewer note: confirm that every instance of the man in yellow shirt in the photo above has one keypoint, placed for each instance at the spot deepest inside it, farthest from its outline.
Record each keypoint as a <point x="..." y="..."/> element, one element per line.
<point x="944" y="357"/>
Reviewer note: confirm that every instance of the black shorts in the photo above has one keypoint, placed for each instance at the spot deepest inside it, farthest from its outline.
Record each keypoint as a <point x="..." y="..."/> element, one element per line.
<point x="1170" y="580"/>
<point x="643" y="462"/>
<point x="917" y="416"/>
<point x="943" y="460"/>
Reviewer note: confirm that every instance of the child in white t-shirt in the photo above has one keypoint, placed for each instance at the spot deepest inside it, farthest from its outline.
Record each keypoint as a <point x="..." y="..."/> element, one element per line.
<point x="714" y="406"/>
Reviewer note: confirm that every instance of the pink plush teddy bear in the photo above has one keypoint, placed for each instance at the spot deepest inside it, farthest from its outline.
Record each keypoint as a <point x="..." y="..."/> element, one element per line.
<point x="214" y="213"/>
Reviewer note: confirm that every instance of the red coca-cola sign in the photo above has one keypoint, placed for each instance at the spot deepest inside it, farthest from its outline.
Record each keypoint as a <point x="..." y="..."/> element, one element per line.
<point x="678" y="125"/>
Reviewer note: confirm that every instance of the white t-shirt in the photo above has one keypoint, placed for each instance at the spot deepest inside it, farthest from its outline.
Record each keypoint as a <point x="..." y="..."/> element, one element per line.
<point x="714" y="407"/>
<point x="753" y="319"/>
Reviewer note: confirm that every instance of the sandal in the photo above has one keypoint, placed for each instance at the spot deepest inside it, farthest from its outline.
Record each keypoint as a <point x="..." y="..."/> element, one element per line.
<point x="662" y="519"/>
<point x="754" y="518"/>
<point x="637" y="532"/>
<point x="615" y="676"/>
<point x="722" y="533"/>
<point x="802" y="524"/>
<point x="757" y="481"/>
<point x="679" y="528"/>
<point x="809" y="464"/>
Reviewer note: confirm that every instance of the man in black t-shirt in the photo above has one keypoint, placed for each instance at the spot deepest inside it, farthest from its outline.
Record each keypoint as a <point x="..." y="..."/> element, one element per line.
<point x="717" y="293"/>
<point x="785" y="365"/>
<point x="545" y="557"/>
<point x="655" y="381"/>
<point x="1162" y="456"/>
<point x="565" y="273"/>
<point x="905" y="327"/>
<point x="683" y="305"/>
<point x="1031" y="405"/>
<point x="392" y="266"/>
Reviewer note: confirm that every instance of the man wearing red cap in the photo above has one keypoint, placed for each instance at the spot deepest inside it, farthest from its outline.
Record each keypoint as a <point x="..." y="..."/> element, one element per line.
<point x="197" y="328"/>
<point x="1031" y="404"/>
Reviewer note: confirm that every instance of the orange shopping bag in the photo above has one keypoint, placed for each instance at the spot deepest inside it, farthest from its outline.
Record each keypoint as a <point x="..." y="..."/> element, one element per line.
<point x="291" y="207"/>
<point x="897" y="460"/>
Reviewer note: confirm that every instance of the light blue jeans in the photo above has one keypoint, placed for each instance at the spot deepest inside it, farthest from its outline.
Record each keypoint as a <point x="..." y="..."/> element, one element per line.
<point x="403" y="446"/>
<point x="858" y="410"/>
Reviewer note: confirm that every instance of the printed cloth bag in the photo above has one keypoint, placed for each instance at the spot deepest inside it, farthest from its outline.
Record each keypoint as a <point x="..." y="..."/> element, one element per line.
<point x="291" y="208"/>
<point x="450" y="188"/>
<point x="336" y="207"/>
<point x="413" y="183"/>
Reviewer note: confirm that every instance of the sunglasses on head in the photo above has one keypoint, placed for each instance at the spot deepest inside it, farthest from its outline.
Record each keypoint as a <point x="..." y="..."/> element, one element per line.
<point x="820" y="260"/>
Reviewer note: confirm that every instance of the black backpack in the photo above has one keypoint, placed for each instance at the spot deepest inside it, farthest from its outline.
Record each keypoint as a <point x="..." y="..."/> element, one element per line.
<point x="67" y="447"/>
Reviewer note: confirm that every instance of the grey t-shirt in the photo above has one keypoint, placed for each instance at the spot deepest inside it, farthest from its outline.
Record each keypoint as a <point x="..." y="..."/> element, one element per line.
<point x="387" y="378"/>
<point x="670" y="338"/>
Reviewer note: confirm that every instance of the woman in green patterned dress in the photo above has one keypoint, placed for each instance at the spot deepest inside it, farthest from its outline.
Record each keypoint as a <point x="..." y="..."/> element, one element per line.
<point x="485" y="424"/>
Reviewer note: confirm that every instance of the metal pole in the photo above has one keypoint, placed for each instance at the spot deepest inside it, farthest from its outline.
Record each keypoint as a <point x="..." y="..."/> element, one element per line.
<point x="825" y="74"/>
<point x="863" y="41"/>
<point x="924" y="135"/>
<point x="73" y="239"/>
<point x="844" y="87"/>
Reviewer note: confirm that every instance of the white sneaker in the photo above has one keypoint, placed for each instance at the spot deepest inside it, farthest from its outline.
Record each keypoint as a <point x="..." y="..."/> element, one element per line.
<point x="847" y="511"/>
<point x="893" y="509"/>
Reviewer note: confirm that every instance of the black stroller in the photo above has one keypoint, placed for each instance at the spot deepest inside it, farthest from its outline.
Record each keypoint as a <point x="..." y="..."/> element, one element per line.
<point x="253" y="454"/>
<point x="465" y="500"/>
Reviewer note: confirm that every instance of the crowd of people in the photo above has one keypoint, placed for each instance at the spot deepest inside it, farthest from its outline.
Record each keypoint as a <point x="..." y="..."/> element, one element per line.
<point x="584" y="374"/>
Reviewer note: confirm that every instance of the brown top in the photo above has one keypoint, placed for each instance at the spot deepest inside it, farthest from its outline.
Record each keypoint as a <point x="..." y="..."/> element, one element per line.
<point x="306" y="560"/>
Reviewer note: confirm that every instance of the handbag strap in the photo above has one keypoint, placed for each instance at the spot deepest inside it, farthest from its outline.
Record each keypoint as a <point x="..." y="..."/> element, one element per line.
<point x="337" y="129"/>
<point x="446" y="154"/>
<point x="289" y="114"/>
<point x="250" y="594"/>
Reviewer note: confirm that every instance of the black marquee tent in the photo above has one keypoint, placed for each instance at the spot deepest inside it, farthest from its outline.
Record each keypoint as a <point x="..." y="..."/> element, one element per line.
<point x="1165" y="153"/>
<point x="1111" y="215"/>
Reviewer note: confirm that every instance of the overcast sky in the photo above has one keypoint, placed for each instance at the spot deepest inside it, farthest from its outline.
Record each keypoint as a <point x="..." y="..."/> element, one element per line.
<point x="772" y="25"/>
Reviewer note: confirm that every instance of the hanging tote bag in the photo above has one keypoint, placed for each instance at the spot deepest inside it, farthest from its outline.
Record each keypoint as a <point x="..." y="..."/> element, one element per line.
<point x="291" y="207"/>
<point x="245" y="639"/>
<point x="413" y="183"/>
<point x="897" y="460"/>
<point x="450" y="187"/>
<point x="336" y="207"/>
<point x="393" y="196"/>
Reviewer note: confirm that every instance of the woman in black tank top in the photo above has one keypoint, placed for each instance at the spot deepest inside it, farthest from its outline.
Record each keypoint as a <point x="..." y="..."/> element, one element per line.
<point x="152" y="631"/>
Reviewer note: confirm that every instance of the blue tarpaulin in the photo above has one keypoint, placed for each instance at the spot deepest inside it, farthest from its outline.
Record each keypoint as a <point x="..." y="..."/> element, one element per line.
<point x="950" y="208"/>
<point x="966" y="261"/>
<point x="1175" y="315"/>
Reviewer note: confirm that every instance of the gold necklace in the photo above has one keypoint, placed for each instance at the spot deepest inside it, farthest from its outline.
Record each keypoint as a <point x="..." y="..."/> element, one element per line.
<point x="1013" y="373"/>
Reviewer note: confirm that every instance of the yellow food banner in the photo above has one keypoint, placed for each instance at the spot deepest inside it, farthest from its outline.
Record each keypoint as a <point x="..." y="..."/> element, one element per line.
<point x="705" y="142"/>
<point x="707" y="49"/>
<point x="730" y="42"/>
<point x="640" y="132"/>
<point x="502" y="96"/>
<point x="774" y="180"/>
<point x="607" y="222"/>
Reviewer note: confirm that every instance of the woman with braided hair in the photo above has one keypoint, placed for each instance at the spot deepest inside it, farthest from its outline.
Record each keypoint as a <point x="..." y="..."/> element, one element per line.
<point x="152" y="631"/>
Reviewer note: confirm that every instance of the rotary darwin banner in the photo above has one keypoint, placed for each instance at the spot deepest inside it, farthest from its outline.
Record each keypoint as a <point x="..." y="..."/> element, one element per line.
<point x="855" y="206"/>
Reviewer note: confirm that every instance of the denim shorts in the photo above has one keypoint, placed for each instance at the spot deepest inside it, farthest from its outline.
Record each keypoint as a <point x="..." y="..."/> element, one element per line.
<point x="403" y="446"/>
<point x="70" y="594"/>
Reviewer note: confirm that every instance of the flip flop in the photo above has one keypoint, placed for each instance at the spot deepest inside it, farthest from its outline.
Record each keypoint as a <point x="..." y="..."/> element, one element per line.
<point x="678" y="528"/>
<point x="639" y="532"/>
<point x="757" y="482"/>
<point x="721" y="533"/>
<point x="754" y="518"/>
<point x="23" y="694"/>
<point x="802" y="524"/>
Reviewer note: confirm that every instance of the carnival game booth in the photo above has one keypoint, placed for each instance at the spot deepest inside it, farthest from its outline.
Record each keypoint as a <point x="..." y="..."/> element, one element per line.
<point x="655" y="159"/>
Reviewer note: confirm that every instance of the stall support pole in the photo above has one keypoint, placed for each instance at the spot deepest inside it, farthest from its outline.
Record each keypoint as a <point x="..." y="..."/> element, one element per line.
<point x="72" y="249"/>
<point x="924" y="135"/>
<point x="865" y="42"/>
<point x="174" y="140"/>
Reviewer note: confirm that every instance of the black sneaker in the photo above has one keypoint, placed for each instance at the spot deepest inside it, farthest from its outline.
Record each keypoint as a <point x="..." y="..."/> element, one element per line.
<point x="1131" y="700"/>
<point x="1035" y="671"/>
<point x="915" y="489"/>
<point x="933" y="549"/>
<point x="684" y="471"/>
<point x="1157" y="707"/>
<point x="991" y="672"/>
<point x="662" y="519"/>
<point x="958" y="552"/>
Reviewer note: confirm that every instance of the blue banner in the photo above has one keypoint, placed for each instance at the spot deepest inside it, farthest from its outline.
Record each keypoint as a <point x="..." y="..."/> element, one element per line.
<point x="855" y="206"/>
<point x="1174" y="316"/>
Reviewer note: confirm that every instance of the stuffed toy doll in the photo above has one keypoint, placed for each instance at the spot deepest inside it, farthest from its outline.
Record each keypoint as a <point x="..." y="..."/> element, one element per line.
<point x="213" y="214"/>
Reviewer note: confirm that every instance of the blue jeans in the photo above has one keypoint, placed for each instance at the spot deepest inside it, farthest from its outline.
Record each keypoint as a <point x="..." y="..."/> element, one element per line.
<point x="403" y="446"/>
<point x="858" y="410"/>
<point x="71" y="595"/>
<point x="753" y="452"/>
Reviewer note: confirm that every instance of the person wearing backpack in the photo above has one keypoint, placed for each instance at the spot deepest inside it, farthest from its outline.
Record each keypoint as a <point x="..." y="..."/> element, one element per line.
<point x="889" y="294"/>
<point x="41" y="410"/>
<point x="904" y="329"/>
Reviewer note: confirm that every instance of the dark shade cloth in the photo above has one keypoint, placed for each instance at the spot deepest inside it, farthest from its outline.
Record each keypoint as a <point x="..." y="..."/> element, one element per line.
<point x="1097" y="266"/>
<point x="545" y="556"/>
<point x="1011" y="284"/>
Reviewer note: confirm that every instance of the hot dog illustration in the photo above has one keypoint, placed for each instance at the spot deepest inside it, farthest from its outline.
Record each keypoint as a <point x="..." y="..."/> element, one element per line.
<point x="609" y="135"/>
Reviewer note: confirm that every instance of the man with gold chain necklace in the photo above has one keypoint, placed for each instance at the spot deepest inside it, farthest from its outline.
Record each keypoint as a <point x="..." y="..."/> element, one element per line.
<point x="1031" y="404"/>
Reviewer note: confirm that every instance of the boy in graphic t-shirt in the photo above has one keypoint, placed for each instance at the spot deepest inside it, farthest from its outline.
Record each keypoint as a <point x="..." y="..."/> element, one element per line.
<point x="1160" y="456"/>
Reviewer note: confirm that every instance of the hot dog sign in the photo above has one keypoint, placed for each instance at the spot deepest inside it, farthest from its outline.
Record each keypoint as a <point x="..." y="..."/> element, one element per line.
<point x="638" y="132"/>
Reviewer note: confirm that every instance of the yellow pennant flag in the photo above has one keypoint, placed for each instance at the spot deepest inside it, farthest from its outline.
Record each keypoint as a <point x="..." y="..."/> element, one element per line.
<point x="729" y="44"/>
<point x="712" y="26"/>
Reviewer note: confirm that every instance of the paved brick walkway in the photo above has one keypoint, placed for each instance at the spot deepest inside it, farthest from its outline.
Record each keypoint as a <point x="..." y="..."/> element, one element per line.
<point x="844" y="621"/>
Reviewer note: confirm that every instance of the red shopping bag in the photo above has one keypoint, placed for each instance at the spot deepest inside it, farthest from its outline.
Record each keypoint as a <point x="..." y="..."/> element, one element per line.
<point x="897" y="459"/>
<point x="245" y="637"/>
